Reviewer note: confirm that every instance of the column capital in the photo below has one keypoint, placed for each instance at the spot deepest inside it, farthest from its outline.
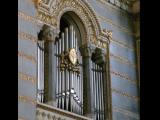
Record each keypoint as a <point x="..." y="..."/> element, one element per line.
<point x="86" y="50"/>
<point x="47" y="34"/>
<point x="98" y="56"/>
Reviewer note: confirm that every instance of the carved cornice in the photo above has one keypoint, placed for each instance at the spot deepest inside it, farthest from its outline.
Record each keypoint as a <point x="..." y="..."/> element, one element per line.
<point x="27" y="99"/>
<point x="27" y="57"/>
<point x="23" y="76"/>
<point x="125" y="94"/>
<point x="53" y="12"/>
<point x="26" y="36"/>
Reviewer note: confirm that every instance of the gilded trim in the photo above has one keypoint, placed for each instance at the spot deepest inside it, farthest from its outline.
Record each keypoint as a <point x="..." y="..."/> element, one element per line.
<point x="26" y="36"/>
<point x="27" y="99"/>
<point x="125" y="94"/>
<point x="125" y="77"/>
<point x="123" y="29"/>
<point x="23" y="76"/>
<point x="123" y="60"/>
<point x="126" y="112"/>
<point x="28" y="57"/>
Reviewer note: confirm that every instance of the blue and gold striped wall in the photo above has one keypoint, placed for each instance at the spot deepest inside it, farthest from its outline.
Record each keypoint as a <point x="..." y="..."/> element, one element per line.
<point x="27" y="60"/>
<point x="123" y="66"/>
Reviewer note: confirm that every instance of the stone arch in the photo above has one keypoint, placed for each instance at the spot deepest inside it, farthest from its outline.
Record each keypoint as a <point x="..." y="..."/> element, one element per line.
<point x="72" y="17"/>
<point x="80" y="9"/>
<point x="56" y="8"/>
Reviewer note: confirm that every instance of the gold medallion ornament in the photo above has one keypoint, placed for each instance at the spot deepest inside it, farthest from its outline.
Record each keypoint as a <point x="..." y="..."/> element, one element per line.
<point x="73" y="56"/>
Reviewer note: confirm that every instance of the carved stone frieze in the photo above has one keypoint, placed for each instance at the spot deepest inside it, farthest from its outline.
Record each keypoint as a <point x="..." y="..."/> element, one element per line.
<point x="46" y="18"/>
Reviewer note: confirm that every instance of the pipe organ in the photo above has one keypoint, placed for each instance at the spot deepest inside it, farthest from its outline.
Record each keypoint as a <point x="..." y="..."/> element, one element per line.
<point x="97" y="87"/>
<point x="67" y="90"/>
<point x="69" y="74"/>
<point x="40" y="51"/>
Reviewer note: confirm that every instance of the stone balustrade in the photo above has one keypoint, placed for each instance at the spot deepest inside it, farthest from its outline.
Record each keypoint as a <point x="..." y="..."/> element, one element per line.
<point x="47" y="112"/>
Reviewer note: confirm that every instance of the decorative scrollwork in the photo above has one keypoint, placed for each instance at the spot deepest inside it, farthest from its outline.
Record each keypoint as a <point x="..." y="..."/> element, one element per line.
<point x="65" y="63"/>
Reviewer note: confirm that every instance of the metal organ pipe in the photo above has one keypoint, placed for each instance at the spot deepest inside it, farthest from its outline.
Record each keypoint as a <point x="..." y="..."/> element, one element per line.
<point x="99" y="90"/>
<point x="57" y="84"/>
<point x="102" y="109"/>
<point x="69" y="84"/>
<point x="62" y="72"/>
<point x="42" y="71"/>
<point x="38" y="72"/>
<point x="66" y="72"/>
<point x="59" y="74"/>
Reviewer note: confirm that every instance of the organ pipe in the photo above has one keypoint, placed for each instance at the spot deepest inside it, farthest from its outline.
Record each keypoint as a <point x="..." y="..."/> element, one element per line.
<point x="69" y="84"/>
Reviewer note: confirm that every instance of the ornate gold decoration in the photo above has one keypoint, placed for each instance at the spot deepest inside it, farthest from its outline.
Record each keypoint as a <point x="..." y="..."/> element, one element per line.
<point x="108" y="33"/>
<point x="125" y="94"/>
<point x="26" y="36"/>
<point x="23" y="76"/>
<point x="28" y="57"/>
<point x="67" y="61"/>
<point x="73" y="56"/>
<point x="47" y="18"/>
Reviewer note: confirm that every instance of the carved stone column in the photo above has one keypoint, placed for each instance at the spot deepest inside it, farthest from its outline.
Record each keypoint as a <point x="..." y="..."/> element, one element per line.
<point x="88" y="98"/>
<point x="49" y="35"/>
<point x="107" y="86"/>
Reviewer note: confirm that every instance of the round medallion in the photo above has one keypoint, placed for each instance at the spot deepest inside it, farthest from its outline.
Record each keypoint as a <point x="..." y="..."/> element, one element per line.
<point x="73" y="56"/>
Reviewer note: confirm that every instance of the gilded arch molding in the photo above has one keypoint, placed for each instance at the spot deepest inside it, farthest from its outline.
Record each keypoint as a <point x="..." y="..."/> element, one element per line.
<point x="50" y="12"/>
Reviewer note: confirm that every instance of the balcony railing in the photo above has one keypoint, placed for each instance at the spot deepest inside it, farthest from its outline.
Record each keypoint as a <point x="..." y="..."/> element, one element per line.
<point x="47" y="112"/>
